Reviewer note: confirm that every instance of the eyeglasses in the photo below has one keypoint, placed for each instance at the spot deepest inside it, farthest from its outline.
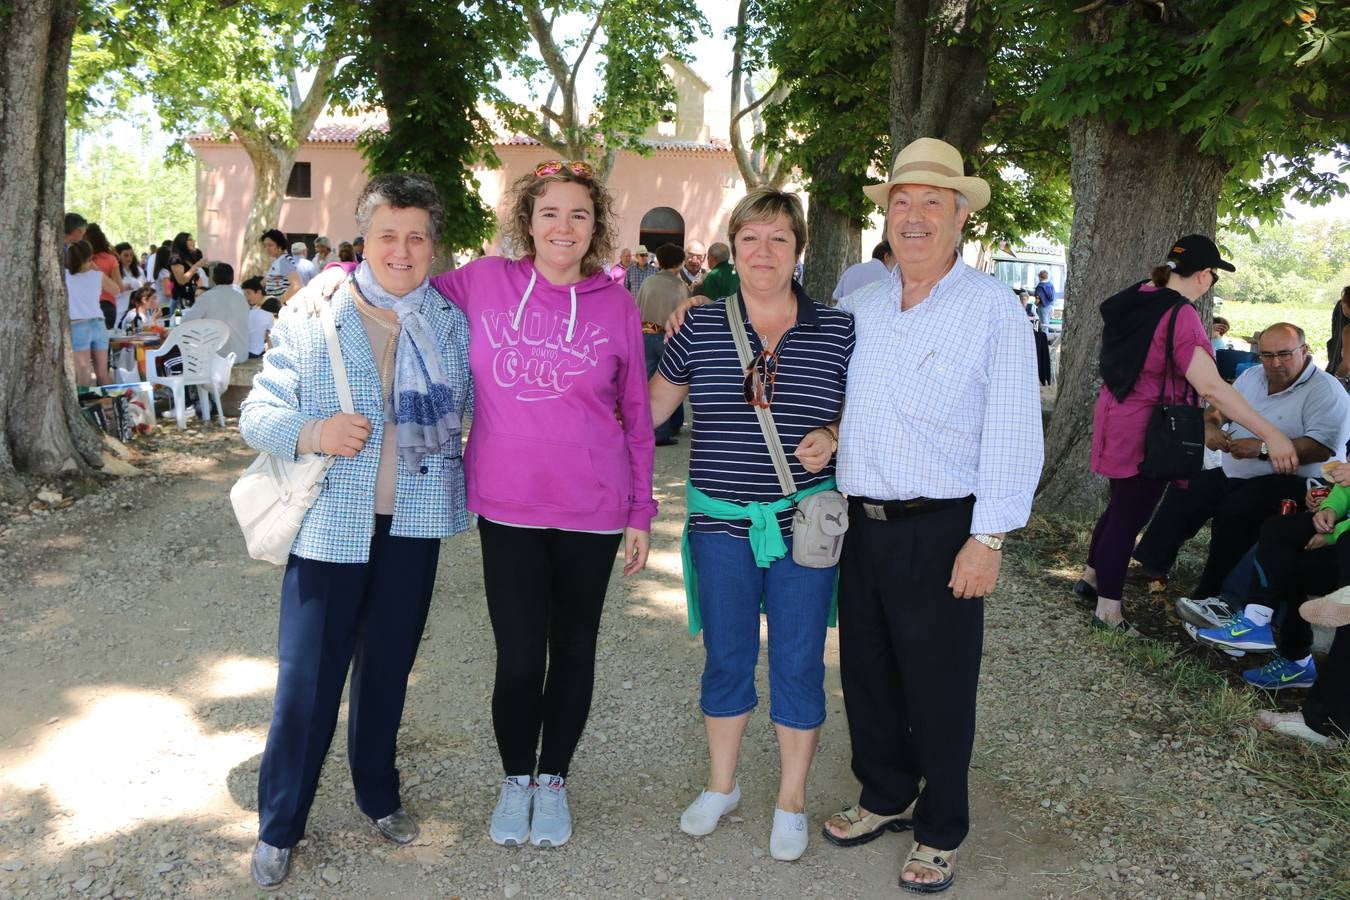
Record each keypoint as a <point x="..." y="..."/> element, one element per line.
<point x="554" y="166"/>
<point x="1215" y="274"/>
<point x="1282" y="355"/>
<point x="759" y="379"/>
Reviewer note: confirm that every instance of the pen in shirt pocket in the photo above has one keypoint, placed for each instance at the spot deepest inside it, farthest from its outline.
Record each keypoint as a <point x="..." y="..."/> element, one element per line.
<point x="927" y="356"/>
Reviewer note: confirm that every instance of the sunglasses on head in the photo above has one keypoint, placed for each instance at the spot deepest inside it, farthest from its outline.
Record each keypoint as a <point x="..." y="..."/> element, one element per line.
<point x="554" y="166"/>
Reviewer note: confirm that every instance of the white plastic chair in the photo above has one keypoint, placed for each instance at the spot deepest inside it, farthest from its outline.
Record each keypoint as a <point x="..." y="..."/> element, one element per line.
<point x="198" y="341"/>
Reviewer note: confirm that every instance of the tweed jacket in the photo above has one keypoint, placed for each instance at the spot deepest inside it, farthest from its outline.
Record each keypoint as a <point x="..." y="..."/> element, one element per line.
<point x="296" y="385"/>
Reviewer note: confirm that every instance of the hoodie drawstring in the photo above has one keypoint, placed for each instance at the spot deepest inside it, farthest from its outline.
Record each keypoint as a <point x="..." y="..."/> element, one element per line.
<point x="529" y="289"/>
<point x="520" y="310"/>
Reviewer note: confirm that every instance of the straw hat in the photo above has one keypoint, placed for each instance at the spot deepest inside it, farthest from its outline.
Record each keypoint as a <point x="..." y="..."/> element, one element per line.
<point x="934" y="162"/>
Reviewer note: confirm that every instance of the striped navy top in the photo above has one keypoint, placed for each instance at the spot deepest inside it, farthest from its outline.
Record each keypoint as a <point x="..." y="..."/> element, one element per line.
<point x="728" y="458"/>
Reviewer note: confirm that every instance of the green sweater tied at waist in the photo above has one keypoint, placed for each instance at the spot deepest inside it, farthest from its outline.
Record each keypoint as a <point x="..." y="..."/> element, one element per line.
<point x="766" y="538"/>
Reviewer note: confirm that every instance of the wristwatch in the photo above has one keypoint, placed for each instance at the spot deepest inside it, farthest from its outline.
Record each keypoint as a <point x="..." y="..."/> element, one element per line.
<point x="1263" y="454"/>
<point x="989" y="540"/>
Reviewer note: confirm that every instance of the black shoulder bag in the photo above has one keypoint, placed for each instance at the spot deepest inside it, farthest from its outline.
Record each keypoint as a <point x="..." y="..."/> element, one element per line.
<point x="1174" y="442"/>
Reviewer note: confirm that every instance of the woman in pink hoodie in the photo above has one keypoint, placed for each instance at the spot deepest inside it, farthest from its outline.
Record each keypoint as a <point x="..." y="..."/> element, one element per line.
<point x="557" y="479"/>
<point x="558" y="468"/>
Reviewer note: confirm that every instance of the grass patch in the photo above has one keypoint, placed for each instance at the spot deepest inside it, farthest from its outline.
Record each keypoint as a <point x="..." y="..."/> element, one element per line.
<point x="1051" y="550"/>
<point x="1313" y="318"/>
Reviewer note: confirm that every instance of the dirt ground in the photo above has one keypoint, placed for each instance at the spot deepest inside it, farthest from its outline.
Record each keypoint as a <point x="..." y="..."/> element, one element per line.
<point x="137" y="655"/>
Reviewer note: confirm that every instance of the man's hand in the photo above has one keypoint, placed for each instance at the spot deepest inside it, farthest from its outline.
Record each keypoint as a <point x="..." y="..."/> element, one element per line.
<point x="1340" y="474"/>
<point x="815" y="450"/>
<point x="636" y="543"/>
<point x="1324" y="520"/>
<point x="975" y="571"/>
<point x="1243" y="448"/>
<point x="344" y="434"/>
<point x="1217" y="439"/>
<point x="314" y="296"/>
<point x="676" y="320"/>
<point x="1316" y="542"/>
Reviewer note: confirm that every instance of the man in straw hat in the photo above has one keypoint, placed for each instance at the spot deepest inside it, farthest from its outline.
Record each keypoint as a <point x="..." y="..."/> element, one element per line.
<point x="940" y="453"/>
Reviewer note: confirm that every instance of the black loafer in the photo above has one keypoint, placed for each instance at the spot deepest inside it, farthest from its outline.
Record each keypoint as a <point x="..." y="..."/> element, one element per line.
<point x="398" y="827"/>
<point x="1085" y="595"/>
<point x="270" y="864"/>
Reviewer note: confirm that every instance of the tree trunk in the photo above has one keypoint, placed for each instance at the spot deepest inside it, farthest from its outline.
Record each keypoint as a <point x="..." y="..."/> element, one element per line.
<point x="1132" y="194"/>
<point x="940" y="73"/>
<point x="833" y="238"/>
<point x="41" y="428"/>
<point x="271" y="170"/>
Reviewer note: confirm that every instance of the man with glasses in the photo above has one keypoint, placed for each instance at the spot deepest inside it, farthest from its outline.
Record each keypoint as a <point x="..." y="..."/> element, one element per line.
<point x="692" y="271"/>
<point x="1309" y="405"/>
<point x="640" y="270"/>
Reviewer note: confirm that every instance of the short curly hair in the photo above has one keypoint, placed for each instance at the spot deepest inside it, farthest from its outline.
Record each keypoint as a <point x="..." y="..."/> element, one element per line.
<point x="530" y="187"/>
<point x="401" y="190"/>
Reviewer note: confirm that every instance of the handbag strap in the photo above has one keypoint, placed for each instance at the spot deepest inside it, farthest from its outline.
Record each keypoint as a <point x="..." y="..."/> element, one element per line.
<point x="344" y="390"/>
<point x="780" y="464"/>
<point x="1169" y="366"/>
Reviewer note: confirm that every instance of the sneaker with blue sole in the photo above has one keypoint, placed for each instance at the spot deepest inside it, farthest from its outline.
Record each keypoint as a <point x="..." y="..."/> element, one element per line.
<point x="1281" y="673"/>
<point x="1240" y="634"/>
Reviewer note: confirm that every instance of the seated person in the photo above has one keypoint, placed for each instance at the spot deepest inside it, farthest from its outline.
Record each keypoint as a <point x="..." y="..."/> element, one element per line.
<point x="1308" y="405"/>
<point x="1218" y="334"/>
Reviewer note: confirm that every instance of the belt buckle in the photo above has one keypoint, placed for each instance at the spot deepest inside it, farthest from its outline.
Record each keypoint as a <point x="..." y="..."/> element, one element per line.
<point x="874" y="510"/>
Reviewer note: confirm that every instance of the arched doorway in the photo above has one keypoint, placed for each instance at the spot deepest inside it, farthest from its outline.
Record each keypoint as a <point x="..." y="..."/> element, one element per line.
<point x="661" y="225"/>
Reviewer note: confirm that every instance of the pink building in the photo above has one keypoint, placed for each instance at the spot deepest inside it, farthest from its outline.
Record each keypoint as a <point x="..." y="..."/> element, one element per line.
<point x="684" y="190"/>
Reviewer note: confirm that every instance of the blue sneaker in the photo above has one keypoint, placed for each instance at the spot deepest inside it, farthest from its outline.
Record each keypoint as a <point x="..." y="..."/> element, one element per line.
<point x="1281" y="673"/>
<point x="1240" y="634"/>
<point x="551" y="825"/>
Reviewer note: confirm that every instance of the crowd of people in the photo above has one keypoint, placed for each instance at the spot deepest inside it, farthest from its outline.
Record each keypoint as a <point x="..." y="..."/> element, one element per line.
<point x="857" y="462"/>
<point x="112" y="290"/>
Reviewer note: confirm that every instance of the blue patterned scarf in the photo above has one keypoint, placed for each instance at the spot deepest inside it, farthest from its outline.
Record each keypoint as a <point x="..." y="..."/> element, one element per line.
<point x="423" y="403"/>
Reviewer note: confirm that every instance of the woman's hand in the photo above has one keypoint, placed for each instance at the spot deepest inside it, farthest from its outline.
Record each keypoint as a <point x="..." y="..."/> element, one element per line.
<point x="1316" y="542"/>
<point x="815" y="450"/>
<point x="1324" y="520"/>
<point x="1283" y="456"/>
<point x="636" y="543"/>
<point x="676" y="320"/>
<point x="344" y="434"/>
<point x="313" y="297"/>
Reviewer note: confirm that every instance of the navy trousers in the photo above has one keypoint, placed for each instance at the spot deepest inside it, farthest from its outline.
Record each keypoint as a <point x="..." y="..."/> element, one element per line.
<point x="368" y="616"/>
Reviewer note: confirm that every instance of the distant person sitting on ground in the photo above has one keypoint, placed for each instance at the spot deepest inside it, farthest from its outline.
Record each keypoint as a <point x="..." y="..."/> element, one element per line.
<point x="224" y="304"/>
<point x="1218" y="334"/>
<point x="260" y="319"/>
<point x="1307" y="405"/>
<point x="859" y="274"/>
<point x="659" y="297"/>
<point x="721" y="280"/>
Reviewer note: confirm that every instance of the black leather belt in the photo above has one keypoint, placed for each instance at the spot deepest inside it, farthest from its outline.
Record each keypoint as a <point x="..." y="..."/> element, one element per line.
<point x="886" y="510"/>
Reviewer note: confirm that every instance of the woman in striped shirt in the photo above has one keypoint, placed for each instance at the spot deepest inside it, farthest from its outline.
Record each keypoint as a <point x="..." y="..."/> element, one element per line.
<point x="738" y="535"/>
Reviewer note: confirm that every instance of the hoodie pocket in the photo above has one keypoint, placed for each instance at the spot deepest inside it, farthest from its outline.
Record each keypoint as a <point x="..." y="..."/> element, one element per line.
<point x="527" y="471"/>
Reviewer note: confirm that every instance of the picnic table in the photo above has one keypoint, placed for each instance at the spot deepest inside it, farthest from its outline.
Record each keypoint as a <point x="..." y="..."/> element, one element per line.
<point x="139" y="343"/>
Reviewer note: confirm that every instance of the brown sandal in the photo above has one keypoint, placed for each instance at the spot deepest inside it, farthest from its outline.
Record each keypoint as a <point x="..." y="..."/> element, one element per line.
<point x="939" y="861"/>
<point x="859" y="829"/>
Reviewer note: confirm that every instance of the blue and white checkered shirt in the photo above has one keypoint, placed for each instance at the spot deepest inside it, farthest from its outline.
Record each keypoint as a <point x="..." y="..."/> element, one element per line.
<point x="943" y="399"/>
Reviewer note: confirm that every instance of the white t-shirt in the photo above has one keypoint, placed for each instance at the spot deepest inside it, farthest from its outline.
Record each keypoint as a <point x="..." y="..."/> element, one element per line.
<point x="130" y="283"/>
<point x="277" y="281"/>
<point x="260" y="321"/>
<point x="859" y="274"/>
<point x="82" y="293"/>
<point x="306" y="269"/>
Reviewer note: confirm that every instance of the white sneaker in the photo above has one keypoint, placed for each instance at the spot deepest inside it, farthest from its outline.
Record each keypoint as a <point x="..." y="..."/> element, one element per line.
<point x="1191" y="630"/>
<point x="511" y="819"/>
<point x="551" y="824"/>
<point x="1204" y="612"/>
<point x="704" y="813"/>
<point x="788" y="839"/>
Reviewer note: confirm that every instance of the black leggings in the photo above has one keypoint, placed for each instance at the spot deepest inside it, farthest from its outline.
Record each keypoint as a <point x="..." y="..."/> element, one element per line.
<point x="545" y="592"/>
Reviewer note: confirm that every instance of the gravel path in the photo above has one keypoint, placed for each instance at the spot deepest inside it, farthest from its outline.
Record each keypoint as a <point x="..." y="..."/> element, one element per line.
<point x="137" y="656"/>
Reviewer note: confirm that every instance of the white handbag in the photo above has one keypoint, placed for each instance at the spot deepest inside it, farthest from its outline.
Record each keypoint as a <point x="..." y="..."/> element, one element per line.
<point x="273" y="495"/>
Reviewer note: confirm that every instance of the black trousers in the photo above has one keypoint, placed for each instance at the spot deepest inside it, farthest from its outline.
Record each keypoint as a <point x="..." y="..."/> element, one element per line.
<point x="1286" y="575"/>
<point x="909" y="658"/>
<point x="1327" y="709"/>
<point x="1235" y="509"/>
<point x="368" y="616"/>
<point x="545" y="593"/>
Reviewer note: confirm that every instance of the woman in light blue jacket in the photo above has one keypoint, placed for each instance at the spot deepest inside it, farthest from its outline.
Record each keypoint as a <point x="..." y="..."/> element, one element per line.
<point x="358" y="583"/>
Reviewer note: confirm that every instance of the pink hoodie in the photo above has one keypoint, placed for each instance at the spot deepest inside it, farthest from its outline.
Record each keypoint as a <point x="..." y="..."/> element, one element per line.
<point x="551" y="364"/>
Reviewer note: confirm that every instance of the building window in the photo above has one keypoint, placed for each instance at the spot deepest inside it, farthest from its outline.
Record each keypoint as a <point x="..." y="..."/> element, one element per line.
<point x="298" y="185"/>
